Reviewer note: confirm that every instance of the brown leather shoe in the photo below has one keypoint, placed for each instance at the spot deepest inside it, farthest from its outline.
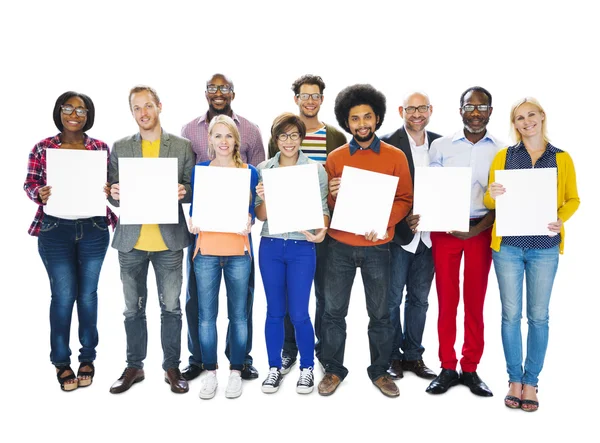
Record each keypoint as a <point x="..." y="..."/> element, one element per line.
<point x="387" y="386"/>
<point x="126" y="380"/>
<point x="178" y="384"/>
<point x="395" y="370"/>
<point x="329" y="384"/>
<point x="419" y="368"/>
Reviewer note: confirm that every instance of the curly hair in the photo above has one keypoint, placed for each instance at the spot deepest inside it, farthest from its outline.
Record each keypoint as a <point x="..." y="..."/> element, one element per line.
<point x="63" y="98"/>
<point x="308" y="79"/>
<point x="356" y="95"/>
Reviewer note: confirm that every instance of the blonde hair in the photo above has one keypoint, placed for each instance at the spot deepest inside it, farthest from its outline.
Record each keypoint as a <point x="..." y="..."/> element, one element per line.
<point x="230" y="124"/>
<point x="516" y="135"/>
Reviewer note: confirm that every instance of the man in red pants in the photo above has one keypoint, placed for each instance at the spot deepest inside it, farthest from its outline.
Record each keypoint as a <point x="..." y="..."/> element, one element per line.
<point x="471" y="146"/>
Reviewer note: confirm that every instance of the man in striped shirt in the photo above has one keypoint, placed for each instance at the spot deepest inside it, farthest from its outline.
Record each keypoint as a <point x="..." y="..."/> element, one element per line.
<point x="320" y="140"/>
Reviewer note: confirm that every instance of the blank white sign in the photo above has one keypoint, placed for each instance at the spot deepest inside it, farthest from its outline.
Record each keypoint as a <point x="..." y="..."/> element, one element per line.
<point x="528" y="204"/>
<point x="442" y="198"/>
<point x="294" y="198"/>
<point x="77" y="179"/>
<point x="364" y="202"/>
<point x="148" y="191"/>
<point x="221" y="198"/>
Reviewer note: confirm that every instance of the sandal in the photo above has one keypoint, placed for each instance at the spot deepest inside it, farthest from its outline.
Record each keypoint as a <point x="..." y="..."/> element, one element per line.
<point x="533" y="403"/>
<point x="84" y="382"/>
<point x="63" y="379"/>
<point x="512" y="402"/>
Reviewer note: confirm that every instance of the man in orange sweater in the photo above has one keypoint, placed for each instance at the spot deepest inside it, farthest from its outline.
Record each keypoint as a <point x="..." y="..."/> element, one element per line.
<point x="360" y="110"/>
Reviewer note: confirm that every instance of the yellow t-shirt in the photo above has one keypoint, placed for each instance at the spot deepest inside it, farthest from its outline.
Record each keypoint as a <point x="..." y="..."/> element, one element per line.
<point x="150" y="238"/>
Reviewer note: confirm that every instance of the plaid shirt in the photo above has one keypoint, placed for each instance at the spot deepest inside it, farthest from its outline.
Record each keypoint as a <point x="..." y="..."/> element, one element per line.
<point x="252" y="150"/>
<point x="36" y="176"/>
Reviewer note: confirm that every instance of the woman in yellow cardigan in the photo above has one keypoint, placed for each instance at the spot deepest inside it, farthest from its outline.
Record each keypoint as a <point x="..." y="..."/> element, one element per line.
<point x="535" y="257"/>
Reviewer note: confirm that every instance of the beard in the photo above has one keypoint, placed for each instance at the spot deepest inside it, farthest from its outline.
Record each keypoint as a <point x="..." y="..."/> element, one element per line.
<point x="476" y="130"/>
<point x="365" y="138"/>
<point x="225" y="110"/>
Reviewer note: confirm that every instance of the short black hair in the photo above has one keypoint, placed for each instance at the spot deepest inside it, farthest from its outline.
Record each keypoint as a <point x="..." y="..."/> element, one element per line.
<point x="286" y="120"/>
<point x="356" y="95"/>
<point x="308" y="79"/>
<point x="476" y="89"/>
<point x="224" y="77"/>
<point x="63" y="98"/>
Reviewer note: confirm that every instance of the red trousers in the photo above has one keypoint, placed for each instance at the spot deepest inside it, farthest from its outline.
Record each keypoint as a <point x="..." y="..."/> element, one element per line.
<point x="447" y="254"/>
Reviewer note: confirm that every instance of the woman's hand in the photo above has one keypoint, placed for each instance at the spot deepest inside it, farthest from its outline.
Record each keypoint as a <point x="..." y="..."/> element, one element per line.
<point x="114" y="191"/>
<point x="44" y="193"/>
<point x="260" y="191"/>
<point x="246" y="231"/>
<point x="317" y="237"/>
<point x="554" y="227"/>
<point x="496" y="189"/>
<point x="194" y="230"/>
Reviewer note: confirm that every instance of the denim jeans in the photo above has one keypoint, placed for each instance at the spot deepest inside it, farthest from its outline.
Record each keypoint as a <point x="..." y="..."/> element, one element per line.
<point x="236" y="270"/>
<point x="73" y="252"/>
<point x="539" y="268"/>
<point x="415" y="272"/>
<point x="134" y="273"/>
<point x="374" y="264"/>
<point x="191" y="314"/>
<point x="290" y="348"/>
<point x="288" y="268"/>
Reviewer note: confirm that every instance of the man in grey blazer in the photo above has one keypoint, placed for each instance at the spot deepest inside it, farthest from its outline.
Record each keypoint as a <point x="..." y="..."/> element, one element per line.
<point x="412" y="261"/>
<point x="162" y="245"/>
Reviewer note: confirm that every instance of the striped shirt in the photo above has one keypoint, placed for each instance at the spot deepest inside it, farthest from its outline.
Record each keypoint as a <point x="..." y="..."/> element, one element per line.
<point x="314" y="146"/>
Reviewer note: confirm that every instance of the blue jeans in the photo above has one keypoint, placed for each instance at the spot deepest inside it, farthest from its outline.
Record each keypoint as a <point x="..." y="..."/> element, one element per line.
<point x="134" y="273"/>
<point x="290" y="348"/>
<point x="208" y="270"/>
<point x="415" y="272"/>
<point x="288" y="268"/>
<point x="539" y="268"/>
<point x="191" y="313"/>
<point x="73" y="252"/>
<point x="374" y="264"/>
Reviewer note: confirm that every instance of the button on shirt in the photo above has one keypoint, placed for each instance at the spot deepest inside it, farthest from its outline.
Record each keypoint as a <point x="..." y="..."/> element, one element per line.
<point x="420" y="156"/>
<point x="458" y="151"/>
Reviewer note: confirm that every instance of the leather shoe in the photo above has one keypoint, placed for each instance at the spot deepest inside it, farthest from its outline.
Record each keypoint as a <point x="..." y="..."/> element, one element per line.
<point x="419" y="368"/>
<point x="329" y="384"/>
<point x="443" y="382"/>
<point x="178" y="384"/>
<point x="127" y="379"/>
<point x="387" y="386"/>
<point x="475" y="384"/>
<point x="249" y="372"/>
<point x="191" y="372"/>
<point x="395" y="370"/>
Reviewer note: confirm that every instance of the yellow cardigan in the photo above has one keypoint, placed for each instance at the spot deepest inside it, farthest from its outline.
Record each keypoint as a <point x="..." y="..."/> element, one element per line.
<point x="567" y="197"/>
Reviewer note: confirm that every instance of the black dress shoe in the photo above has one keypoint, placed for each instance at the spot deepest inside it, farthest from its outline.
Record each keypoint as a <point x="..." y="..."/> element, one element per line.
<point x="419" y="368"/>
<point x="249" y="372"/>
<point x="443" y="382"/>
<point x="178" y="384"/>
<point x="127" y="379"/>
<point x="475" y="384"/>
<point x="191" y="372"/>
<point x="395" y="370"/>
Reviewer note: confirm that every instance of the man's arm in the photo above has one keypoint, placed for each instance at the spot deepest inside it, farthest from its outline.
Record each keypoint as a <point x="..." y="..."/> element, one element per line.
<point x="188" y="166"/>
<point x="403" y="199"/>
<point x="113" y="172"/>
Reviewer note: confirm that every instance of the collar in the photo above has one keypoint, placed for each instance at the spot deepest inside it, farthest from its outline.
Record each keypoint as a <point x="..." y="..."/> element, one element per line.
<point x="375" y="146"/>
<point x="204" y="118"/>
<point x="549" y="147"/>
<point x="274" y="162"/>
<point x="56" y="140"/>
<point x="460" y="135"/>
<point x="413" y="144"/>
<point x="163" y="135"/>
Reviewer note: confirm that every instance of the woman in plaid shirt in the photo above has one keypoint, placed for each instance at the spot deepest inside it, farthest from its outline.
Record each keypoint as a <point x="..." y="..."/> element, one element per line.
<point x="72" y="248"/>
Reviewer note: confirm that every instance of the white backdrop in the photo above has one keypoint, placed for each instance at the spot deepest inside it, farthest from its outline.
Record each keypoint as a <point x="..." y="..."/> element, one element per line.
<point x="513" y="49"/>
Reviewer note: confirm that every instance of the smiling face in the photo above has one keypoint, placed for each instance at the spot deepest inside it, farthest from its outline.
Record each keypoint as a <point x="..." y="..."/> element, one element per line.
<point x="73" y="122"/>
<point x="289" y="148"/>
<point x="362" y="122"/>
<point x="416" y="121"/>
<point x="529" y="120"/>
<point x="309" y="108"/>
<point x="476" y="121"/>
<point x="145" y="110"/>
<point x="219" y="103"/>
<point x="222" y="141"/>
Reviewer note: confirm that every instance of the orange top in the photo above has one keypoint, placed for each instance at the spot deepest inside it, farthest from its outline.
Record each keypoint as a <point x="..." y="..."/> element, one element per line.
<point x="223" y="244"/>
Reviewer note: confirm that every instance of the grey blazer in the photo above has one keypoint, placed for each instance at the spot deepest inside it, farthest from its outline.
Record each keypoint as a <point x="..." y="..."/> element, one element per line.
<point x="176" y="237"/>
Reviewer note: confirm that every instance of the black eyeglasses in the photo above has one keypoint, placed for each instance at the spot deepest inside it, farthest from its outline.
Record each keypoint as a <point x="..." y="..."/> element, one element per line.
<point x="305" y="96"/>
<point x="68" y="110"/>
<point x="225" y="89"/>
<point x="283" y="136"/>
<point x="413" y="109"/>
<point x="480" y="108"/>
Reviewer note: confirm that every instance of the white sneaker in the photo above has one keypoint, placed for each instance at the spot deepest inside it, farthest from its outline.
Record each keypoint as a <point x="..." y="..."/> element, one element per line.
<point x="234" y="385"/>
<point x="306" y="382"/>
<point x="209" y="385"/>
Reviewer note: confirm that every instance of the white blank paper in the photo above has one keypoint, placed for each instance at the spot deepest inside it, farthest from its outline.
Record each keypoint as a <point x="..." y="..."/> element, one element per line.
<point x="148" y="191"/>
<point x="442" y="198"/>
<point x="221" y="199"/>
<point x="77" y="179"/>
<point x="293" y="197"/>
<point x="528" y="204"/>
<point x="364" y="202"/>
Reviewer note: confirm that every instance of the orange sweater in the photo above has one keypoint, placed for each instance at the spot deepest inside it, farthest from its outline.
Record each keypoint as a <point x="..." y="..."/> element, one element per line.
<point x="389" y="161"/>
